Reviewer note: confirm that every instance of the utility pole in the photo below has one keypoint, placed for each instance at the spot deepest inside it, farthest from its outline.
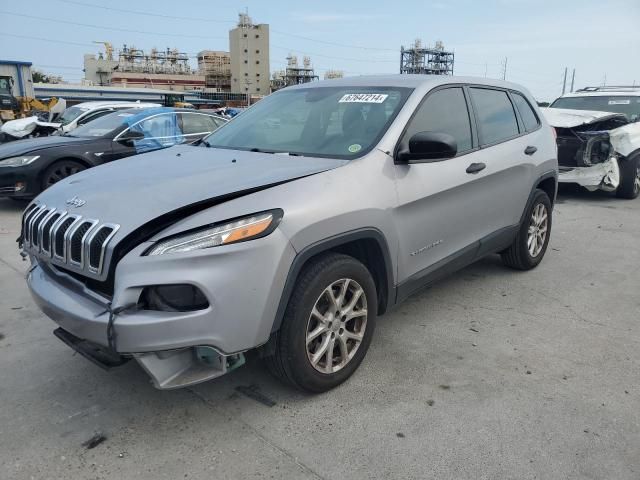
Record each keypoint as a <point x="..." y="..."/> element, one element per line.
<point x="485" y="69"/>
<point x="573" y="79"/>
<point x="564" y="82"/>
<point x="504" y="69"/>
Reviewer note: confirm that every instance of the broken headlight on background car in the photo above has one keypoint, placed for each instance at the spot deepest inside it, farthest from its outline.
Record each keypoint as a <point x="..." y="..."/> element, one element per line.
<point x="597" y="148"/>
<point x="19" y="161"/>
<point x="242" y="229"/>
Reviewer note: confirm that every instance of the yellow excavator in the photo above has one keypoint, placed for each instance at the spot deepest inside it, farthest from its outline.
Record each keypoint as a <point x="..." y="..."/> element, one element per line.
<point x="12" y="107"/>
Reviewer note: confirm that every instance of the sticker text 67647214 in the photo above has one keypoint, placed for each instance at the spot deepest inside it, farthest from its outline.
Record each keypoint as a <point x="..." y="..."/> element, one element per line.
<point x="363" y="98"/>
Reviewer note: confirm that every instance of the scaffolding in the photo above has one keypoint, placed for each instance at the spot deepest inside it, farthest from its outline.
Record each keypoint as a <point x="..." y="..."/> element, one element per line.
<point x="170" y="61"/>
<point x="426" y="60"/>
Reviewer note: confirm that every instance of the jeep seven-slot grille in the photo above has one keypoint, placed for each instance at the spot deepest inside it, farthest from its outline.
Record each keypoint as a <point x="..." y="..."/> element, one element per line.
<point x="65" y="239"/>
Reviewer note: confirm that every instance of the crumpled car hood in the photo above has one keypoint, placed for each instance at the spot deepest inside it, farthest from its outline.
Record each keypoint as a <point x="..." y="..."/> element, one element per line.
<point x="624" y="140"/>
<point x="568" y="118"/>
<point x="138" y="189"/>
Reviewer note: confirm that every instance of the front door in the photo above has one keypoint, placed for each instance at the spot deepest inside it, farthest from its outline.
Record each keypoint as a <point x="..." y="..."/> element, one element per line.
<point x="446" y="207"/>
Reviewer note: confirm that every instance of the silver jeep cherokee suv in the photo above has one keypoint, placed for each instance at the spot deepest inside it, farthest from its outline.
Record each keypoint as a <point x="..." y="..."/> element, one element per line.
<point x="291" y="228"/>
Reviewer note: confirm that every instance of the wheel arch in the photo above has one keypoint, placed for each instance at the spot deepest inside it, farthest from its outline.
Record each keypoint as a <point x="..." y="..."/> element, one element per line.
<point x="83" y="161"/>
<point x="368" y="245"/>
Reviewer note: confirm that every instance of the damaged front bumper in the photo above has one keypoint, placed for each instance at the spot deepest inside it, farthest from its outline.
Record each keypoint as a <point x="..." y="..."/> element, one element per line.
<point x="602" y="176"/>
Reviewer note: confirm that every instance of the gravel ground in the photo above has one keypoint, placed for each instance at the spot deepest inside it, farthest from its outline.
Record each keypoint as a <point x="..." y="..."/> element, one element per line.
<point x="489" y="374"/>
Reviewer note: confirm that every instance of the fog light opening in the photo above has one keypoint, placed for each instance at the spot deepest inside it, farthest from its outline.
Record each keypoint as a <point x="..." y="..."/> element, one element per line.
<point x="19" y="187"/>
<point x="173" y="298"/>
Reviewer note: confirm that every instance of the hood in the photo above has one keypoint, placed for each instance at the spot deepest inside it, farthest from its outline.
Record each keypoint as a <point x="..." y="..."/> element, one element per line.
<point x="568" y="118"/>
<point x="29" y="145"/>
<point x="135" y="190"/>
<point x="24" y="126"/>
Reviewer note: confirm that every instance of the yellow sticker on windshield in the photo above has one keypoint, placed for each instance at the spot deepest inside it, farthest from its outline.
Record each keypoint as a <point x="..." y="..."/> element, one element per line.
<point x="355" y="148"/>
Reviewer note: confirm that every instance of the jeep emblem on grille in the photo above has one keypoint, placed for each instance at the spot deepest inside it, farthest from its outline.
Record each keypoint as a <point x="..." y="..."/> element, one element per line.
<point x="75" y="202"/>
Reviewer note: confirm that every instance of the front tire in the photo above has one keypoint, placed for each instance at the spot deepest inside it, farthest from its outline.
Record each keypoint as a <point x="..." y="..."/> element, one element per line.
<point x="530" y="244"/>
<point x="629" y="187"/>
<point x="59" y="171"/>
<point x="328" y="324"/>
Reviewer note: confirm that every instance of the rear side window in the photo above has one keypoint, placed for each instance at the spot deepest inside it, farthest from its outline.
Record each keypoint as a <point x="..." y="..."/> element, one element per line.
<point x="193" y="123"/>
<point x="496" y="117"/>
<point x="443" y="111"/>
<point x="526" y="112"/>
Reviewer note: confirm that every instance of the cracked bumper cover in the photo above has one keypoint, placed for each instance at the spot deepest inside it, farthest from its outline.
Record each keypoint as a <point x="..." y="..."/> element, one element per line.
<point x="242" y="283"/>
<point x="602" y="176"/>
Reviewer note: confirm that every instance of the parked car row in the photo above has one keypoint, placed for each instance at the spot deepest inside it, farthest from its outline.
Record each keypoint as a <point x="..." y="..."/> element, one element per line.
<point x="289" y="230"/>
<point x="29" y="166"/>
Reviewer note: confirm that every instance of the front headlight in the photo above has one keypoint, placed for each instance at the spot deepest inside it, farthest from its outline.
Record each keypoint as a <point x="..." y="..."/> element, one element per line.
<point x="18" y="161"/>
<point x="246" y="228"/>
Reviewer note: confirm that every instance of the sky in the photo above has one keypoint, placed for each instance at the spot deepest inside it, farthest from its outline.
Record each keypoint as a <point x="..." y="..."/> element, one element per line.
<point x="538" y="38"/>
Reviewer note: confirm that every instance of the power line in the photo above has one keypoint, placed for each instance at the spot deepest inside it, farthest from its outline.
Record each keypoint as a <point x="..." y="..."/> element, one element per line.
<point x="207" y="20"/>
<point x="78" y="24"/>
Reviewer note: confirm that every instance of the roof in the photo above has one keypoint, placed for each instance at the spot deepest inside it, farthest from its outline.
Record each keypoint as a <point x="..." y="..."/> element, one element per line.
<point x="603" y="93"/>
<point x="15" y="62"/>
<point x="113" y="103"/>
<point x="410" y="81"/>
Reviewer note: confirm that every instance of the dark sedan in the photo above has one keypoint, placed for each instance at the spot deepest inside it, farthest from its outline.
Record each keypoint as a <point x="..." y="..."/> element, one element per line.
<point x="29" y="166"/>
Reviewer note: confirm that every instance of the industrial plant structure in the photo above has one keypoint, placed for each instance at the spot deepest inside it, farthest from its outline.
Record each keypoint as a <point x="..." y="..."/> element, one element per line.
<point x="426" y="60"/>
<point x="249" y="48"/>
<point x="215" y="65"/>
<point x="136" y="68"/>
<point x="294" y="74"/>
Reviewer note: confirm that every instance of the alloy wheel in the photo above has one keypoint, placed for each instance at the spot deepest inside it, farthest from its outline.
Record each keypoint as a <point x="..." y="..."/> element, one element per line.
<point x="537" y="233"/>
<point x="336" y="326"/>
<point x="61" y="172"/>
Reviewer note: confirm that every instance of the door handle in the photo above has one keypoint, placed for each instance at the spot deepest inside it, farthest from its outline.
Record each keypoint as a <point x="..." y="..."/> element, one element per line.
<point x="476" y="167"/>
<point x="530" y="150"/>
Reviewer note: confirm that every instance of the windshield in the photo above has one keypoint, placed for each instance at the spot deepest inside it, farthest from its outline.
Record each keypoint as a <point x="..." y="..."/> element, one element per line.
<point x="101" y="126"/>
<point x="5" y="86"/>
<point x="337" y="122"/>
<point x="628" y="105"/>
<point x="70" y="114"/>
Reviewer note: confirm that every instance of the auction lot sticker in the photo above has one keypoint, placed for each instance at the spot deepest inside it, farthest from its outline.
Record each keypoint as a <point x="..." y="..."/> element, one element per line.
<point x="363" y="98"/>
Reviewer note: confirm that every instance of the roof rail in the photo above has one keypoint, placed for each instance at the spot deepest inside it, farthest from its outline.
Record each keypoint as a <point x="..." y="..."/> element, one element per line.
<point x="611" y="88"/>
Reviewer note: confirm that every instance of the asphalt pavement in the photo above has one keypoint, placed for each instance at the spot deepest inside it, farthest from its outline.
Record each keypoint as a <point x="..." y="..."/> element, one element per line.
<point x="490" y="374"/>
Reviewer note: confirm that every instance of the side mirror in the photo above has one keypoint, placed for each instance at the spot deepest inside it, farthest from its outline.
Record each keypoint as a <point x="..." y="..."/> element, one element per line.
<point x="428" y="146"/>
<point x="130" y="137"/>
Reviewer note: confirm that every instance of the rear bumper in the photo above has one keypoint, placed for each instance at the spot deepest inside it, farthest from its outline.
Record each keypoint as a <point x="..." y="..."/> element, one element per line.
<point x="602" y="176"/>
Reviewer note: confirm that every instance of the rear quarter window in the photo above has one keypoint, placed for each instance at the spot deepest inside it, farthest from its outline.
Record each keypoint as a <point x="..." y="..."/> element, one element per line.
<point x="495" y="114"/>
<point x="529" y="117"/>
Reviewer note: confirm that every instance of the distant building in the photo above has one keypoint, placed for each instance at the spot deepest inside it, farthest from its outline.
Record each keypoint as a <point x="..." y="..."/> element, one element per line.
<point x="215" y="65"/>
<point x="249" y="48"/>
<point x="331" y="74"/>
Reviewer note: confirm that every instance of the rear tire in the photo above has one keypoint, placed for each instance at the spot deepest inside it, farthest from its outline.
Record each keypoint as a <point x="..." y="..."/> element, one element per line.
<point x="629" y="187"/>
<point x="316" y="349"/>
<point x="530" y="244"/>
<point x="59" y="171"/>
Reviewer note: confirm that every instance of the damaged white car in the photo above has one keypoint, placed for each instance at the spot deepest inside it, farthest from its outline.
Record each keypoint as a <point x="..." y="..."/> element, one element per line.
<point x="599" y="150"/>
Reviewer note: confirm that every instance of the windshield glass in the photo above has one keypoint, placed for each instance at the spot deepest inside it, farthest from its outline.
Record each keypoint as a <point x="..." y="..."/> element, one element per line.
<point x="340" y="122"/>
<point x="5" y="86"/>
<point x="70" y="114"/>
<point x="101" y="126"/>
<point x="628" y="105"/>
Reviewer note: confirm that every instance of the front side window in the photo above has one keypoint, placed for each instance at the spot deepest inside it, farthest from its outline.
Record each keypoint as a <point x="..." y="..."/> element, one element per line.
<point x="160" y="131"/>
<point x="496" y="117"/>
<point x="338" y="122"/>
<point x="529" y="117"/>
<point x="443" y="111"/>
